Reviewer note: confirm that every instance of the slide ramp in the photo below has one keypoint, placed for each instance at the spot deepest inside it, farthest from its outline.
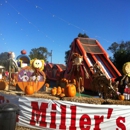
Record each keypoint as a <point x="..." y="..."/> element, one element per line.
<point x="92" y="53"/>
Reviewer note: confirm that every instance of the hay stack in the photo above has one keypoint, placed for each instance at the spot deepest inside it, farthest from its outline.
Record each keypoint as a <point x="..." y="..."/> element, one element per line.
<point x="84" y="100"/>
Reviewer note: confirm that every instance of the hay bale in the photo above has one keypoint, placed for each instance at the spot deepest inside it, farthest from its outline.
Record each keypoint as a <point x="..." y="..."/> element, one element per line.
<point x="116" y="102"/>
<point x="84" y="100"/>
<point x="88" y="100"/>
<point x="43" y="95"/>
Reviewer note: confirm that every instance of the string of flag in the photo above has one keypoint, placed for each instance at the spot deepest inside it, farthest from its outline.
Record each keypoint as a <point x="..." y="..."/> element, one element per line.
<point x="50" y="13"/>
<point x="28" y="21"/>
<point x="65" y="21"/>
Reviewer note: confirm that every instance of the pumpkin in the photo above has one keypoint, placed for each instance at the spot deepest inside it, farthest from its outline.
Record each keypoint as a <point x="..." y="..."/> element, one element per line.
<point x="29" y="90"/>
<point x="62" y="95"/>
<point x="2" y="85"/>
<point x="63" y="90"/>
<point x="47" y="86"/>
<point x="59" y="90"/>
<point x="63" y="82"/>
<point x="55" y="88"/>
<point x="121" y="97"/>
<point x="66" y="81"/>
<point x="69" y="81"/>
<point x="54" y="91"/>
<point x="70" y="90"/>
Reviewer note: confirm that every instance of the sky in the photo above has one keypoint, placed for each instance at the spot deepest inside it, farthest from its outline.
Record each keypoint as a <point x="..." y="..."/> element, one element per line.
<point x="54" y="24"/>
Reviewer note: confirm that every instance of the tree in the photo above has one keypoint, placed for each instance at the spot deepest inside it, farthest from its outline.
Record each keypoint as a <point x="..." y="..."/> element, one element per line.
<point x="121" y="54"/>
<point x="67" y="52"/>
<point x="83" y="35"/>
<point x="39" y="53"/>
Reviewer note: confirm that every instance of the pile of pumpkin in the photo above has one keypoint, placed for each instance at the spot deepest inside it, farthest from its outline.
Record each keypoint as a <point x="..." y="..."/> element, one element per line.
<point x="68" y="89"/>
<point x="4" y="83"/>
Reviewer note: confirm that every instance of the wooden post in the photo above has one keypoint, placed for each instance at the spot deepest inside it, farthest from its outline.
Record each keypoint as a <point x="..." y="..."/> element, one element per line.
<point x="79" y="86"/>
<point x="9" y="74"/>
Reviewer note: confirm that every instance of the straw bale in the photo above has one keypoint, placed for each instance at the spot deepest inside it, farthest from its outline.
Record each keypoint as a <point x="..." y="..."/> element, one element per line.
<point x="84" y="100"/>
<point x="88" y="100"/>
<point x="116" y="102"/>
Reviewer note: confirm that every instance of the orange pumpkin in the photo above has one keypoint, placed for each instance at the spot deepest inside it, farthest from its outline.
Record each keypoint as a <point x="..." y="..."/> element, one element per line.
<point x="59" y="90"/>
<point x="54" y="91"/>
<point x="69" y="81"/>
<point x="63" y="90"/>
<point x="66" y="81"/>
<point x="70" y="90"/>
<point x="29" y="90"/>
<point x="47" y="85"/>
<point x="62" y="95"/>
<point x="2" y="85"/>
<point x="121" y="97"/>
<point x="55" y="88"/>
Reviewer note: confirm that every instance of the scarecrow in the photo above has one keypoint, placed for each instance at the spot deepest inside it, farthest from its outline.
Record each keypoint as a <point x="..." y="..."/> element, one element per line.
<point x="79" y="71"/>
<point x="124" y="80"/>
<point x="12" y="67"/>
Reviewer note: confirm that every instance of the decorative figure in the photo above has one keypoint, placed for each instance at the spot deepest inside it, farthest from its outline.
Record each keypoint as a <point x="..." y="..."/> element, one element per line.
<point x="124" y="80"/>
<point x="79" y="71"/>
<point x="101" y="84"/>
<point x="126" y="69"/>
<point x="38" y="66"/>
<point x="24" y="77"/>
<point x="12" y="67"/>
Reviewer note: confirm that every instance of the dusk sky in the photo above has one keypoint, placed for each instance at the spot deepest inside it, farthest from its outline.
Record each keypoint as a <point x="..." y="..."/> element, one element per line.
<point x="53" y="24"/>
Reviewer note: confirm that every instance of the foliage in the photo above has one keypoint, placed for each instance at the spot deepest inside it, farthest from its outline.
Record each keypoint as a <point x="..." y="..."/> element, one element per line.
<point x="39" y="53"/>
<point x="121" y="54"/>
<point x="67" y="52"/>
<point x="83" y="35"/>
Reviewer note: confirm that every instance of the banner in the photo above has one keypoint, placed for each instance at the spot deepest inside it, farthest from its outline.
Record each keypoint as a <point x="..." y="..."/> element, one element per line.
<point x="49" y="114"/>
